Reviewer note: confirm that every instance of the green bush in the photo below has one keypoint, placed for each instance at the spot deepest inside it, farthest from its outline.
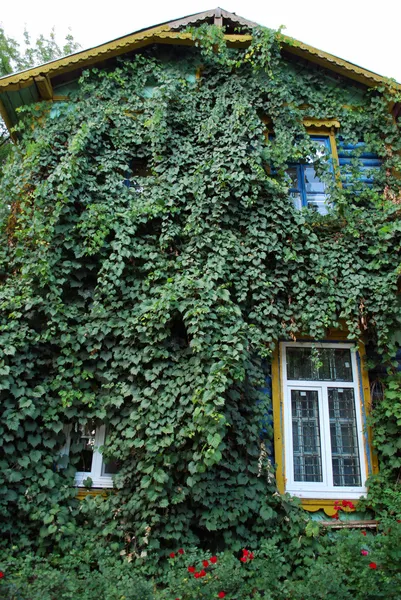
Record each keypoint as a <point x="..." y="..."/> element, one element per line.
<point x="351" y="565"/>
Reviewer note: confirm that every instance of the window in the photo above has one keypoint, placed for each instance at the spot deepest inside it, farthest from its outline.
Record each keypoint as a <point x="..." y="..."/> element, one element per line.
<point x="322" y="416"/>
<point x="139" y="168"/>
<point x="306" y="189"/>
<point x="90" y="460"/>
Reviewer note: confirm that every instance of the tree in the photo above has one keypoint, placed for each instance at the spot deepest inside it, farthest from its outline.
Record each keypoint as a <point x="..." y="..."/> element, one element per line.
<point x="14" y="58"/>
<point x="42" y="50"/>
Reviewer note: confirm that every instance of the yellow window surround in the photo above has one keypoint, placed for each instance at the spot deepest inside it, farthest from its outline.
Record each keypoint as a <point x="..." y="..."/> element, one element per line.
<point x="311" y="504"/>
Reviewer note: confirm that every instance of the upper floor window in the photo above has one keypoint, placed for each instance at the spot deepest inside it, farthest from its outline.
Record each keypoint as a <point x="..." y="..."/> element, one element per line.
<point x="306" y="188"/>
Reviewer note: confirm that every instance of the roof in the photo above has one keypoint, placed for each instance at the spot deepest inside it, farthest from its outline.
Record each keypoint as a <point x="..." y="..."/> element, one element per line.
<point x="37" y="83"/>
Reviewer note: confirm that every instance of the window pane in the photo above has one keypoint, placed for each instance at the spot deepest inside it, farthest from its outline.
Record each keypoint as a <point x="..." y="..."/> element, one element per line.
<point x="292" y="173"/>
<point x="111" y="467"/>
<point x="312" y="181"/>
<point x="86" y="445"/>
<point x="296" y="200"/>
<point x="306" y="436"/>
<point x="318" y="203"/>
<point x="344" y="440"/>
<point x="319" y="364"/>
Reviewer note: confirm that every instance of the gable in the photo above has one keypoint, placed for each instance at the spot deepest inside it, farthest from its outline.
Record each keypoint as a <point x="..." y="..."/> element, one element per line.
<point x="45" y="82"/>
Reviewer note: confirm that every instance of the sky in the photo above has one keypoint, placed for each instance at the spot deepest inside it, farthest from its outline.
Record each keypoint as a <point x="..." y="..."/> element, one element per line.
<point x="361" y="31"/>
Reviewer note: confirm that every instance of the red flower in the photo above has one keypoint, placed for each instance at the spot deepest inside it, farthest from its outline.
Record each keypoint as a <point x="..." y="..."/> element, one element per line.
<point x="251" y="556"/>
<point x="335" y="516"/>
<point x="243" y="559"/>
<point x="245" y="552"/>
<point x="1" y="574"/>
<point x="205" y="563"/>
<point x="221" y="595"/>
<point x="364" y="552"/>
<point x="172" y="555"/>
<point x="213" y="560"/>
<point x="197" y="575"/>
<point x="372" y="565"/>
<point x="180" y="551"/>
<point x="363" y="532"/>
<point x="191" y="569"/>
<point x="202" y="573"/>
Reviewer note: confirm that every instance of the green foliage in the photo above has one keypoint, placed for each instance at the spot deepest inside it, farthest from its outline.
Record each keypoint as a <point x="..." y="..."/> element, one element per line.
<point x="347" y="566"/>
<point x="154" y="308"/>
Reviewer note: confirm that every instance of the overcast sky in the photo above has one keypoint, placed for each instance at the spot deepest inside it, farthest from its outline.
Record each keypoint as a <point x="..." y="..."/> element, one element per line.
<point x="361" y="31"/>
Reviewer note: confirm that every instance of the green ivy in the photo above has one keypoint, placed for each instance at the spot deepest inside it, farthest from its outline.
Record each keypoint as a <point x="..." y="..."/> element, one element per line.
<point x="155" y="308"/>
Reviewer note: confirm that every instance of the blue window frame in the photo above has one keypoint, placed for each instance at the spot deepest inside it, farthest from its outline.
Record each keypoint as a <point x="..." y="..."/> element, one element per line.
<point x="307" y="190"/>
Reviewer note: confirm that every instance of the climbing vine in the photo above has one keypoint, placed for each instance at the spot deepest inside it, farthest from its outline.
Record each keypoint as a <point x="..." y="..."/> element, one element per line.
<point x="150" y="299"/>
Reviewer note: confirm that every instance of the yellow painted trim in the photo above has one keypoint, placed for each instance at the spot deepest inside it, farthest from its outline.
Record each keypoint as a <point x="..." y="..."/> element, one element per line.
<point x="44" y="86"/>
<point x="83" y="493"/>
<point x="334" y="154"/>
<point x="85" y="58"/>
<point x="278" y="423"/>
<point x="163" y="34"/>
<point x="323" y="123"/>
<point x="6" y="119"/>
<point x="367" y="401"/>
<point x="312" y="504"/>
<point x="334" y="63"/>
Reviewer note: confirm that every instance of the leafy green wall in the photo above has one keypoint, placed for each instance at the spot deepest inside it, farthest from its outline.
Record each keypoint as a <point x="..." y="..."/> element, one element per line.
<point x="155" y="308"/>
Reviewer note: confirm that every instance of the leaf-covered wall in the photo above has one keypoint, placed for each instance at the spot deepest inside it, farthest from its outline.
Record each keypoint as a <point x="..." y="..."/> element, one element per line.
<point x="154" y="307"/>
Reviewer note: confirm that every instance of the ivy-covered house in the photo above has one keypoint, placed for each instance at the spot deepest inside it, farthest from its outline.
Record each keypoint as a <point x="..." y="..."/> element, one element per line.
<point x="200" y="248"/>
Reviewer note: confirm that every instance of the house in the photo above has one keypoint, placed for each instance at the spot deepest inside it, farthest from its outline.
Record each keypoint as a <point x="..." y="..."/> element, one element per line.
<point x="272" y="256"/>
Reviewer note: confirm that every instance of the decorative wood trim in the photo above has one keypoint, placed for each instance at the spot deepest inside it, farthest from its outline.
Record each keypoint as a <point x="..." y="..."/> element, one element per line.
<point x="44" y="86"/>
<point x="278" y="423"/>
<point x="83" y="493"/>
<point x="6" y="119"/>
<point x="321" y="123"/>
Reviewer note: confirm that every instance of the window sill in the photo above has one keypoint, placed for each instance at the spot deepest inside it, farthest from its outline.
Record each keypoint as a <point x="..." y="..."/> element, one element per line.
<point x="316" y="494"/>
<point x="97" y="482"/>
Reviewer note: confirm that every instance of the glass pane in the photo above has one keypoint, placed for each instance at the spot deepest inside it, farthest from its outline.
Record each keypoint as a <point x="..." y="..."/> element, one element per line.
<point x="111" y="467"/>
<point x="344" y="439"/>
<point x="296" y="200"/>
<point x="86" y="444"/>
<point x="312" y="181"/>
<point x="292" y="173"/>
<point x="318" y="203"/>
<point x="306" y="435"/>
<point x="319" y="364"/>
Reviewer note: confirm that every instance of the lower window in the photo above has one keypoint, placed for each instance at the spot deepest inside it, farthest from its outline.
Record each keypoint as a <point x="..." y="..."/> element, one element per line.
<point x="323" y="431"/>
<point x="92" y="470"/>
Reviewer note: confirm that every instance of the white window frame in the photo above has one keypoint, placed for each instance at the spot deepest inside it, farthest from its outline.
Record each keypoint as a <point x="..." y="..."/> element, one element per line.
<point x="99" y="480"/>
<point x="325" y="489"/>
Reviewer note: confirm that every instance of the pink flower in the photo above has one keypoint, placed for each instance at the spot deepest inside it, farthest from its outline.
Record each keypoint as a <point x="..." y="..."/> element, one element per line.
<point x="364" y="552"/>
